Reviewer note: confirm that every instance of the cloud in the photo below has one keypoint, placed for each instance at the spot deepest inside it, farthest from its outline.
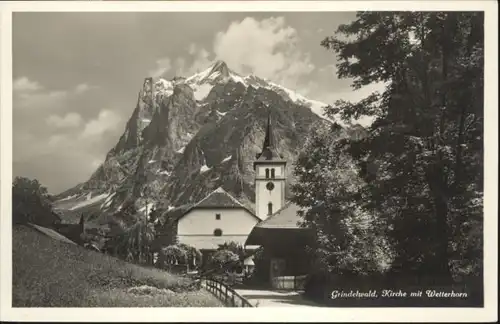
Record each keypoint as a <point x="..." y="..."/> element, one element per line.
<point x="31" y="94"/>
<point x="56" y="136"/>
<point x="25" y="84"/>
<point x="192" y="49"/>
<point x="81" y="88"/>
<point x="267" y="48"/>
<point x="56" y="141"/>
<point x="107" y="120"/>
<point x="200" y="60"/>
<point x="49" y="154"/>
<point x="39" y="99"/>
<point x="68" y="121"/>
<point x="163" y="65"/>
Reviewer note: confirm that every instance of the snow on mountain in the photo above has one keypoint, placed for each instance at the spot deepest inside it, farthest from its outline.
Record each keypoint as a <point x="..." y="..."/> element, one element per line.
<point x="164" y="87"/>
<point x="90" y="201"/>
<point x="203" y="82"/>
<point x="107" y="202"/>
<point x="67" y="198"/>
<point x="316" y="106"/>
<point x="204" y="168"/>
<point x="201" y="91"/>
<point x="168" y="117"/>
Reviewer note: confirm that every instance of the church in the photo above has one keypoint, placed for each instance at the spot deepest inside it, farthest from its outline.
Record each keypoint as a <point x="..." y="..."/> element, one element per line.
<point x="220" y="218"/>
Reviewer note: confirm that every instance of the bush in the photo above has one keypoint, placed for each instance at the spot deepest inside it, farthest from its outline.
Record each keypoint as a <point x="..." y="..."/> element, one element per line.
<point x="178" y="256"/>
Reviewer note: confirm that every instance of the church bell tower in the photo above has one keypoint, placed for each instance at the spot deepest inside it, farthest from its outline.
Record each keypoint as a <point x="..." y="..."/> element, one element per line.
<point x="270" y="176"/>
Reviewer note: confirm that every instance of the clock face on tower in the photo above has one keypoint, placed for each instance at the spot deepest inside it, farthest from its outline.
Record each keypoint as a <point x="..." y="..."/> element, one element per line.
<point x="270" y="186"/>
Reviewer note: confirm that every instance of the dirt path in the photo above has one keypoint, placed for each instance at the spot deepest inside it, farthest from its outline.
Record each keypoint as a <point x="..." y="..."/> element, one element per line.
<point x="270" y="298"/>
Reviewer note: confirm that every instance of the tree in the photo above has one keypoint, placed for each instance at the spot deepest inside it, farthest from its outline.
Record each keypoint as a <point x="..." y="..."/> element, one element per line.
<point x="224" y="258"/>
<point x="350" y="239"/>
<point x="422" y="159"/>
<point x="31" y="203"/>
<point x="171" y="255"/>
<point x="133" y="243"/>
<point x="139" y="240"/>
<point x="194" y="256"/>
<point x="176" y="254"/>
<point x="234" y="247"/>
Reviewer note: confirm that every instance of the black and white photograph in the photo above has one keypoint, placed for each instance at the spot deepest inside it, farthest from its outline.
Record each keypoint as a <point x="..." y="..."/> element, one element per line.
<point x="320" y="160"/>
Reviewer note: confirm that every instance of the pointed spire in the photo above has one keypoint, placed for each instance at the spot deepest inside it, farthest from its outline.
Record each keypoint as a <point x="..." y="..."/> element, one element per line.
<point x="268" y="140"/>
<point x="269" y="151"/>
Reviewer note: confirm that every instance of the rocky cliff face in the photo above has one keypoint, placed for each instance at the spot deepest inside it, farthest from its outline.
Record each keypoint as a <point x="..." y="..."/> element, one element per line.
<point x="188" y="136"/>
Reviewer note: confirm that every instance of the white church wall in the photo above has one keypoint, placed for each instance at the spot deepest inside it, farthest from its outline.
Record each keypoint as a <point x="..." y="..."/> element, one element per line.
<point x="264" y="197"/>
<point x="204" y="222"/>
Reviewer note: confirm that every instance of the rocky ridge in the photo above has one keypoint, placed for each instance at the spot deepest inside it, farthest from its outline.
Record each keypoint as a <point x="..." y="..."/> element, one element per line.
<point x="188" y="136"/>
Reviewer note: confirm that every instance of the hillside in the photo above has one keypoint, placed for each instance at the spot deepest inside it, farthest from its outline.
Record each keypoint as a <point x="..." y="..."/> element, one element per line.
<point x="51" y="273"/>
<point x="188" y="136"/>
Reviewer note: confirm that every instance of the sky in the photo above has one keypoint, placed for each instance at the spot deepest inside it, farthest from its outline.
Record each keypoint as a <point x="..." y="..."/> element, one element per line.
<point x="76" y="76"/>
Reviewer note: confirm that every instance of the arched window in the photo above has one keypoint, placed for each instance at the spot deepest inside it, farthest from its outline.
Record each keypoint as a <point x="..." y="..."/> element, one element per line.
<point x="217" y="232"/>
<point x="267" y="173"/>
<point x="270" y="208"/>
<point x="272" y="173"/>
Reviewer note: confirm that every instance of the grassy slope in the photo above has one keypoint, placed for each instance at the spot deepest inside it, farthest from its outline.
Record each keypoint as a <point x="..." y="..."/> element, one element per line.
<point x="50" y="273"/>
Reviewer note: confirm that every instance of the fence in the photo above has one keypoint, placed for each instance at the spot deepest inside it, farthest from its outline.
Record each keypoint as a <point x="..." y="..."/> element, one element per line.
<point x="226" y="294"/>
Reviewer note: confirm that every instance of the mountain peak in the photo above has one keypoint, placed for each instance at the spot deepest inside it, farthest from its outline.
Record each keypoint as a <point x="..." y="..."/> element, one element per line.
<point x="219" y="64"/>
<point x="219" y="67"/>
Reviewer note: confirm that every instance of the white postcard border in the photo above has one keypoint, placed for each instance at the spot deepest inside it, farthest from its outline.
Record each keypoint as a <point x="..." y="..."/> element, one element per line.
<point x="488" y="313"/>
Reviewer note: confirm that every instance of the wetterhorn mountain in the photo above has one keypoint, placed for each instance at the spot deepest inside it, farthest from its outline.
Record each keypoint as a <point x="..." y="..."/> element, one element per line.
<point x="188" y="136"/>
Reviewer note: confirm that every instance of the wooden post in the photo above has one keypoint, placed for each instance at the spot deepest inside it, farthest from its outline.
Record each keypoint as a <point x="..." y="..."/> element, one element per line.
<point x="234" y="304"/>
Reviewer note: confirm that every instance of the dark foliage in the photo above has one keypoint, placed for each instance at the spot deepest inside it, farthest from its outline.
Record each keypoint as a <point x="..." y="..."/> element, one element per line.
<point x="31" y="203"/>
<point x="419" y="169"/>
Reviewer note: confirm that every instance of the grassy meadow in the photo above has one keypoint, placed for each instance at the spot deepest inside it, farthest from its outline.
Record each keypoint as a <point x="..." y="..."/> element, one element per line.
<point x="51" y="273"/>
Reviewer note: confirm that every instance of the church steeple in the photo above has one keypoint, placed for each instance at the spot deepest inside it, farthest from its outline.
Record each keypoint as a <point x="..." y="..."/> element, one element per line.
<point x="269" y="151"/>
<point x="268" y="140"/>
<point x="270" y="175"/>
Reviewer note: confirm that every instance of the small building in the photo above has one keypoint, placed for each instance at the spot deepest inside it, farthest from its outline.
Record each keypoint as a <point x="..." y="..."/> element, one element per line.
<point x="248" y="264"/>
<point x="73" y="232"/>
<point x="283" y="240"/>
<point x="217" y="219"/>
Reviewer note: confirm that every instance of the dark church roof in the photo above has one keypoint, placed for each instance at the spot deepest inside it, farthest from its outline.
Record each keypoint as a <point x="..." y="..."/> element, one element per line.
<point x="218" y="198"/>
<point x="286" y="217"/>
<point x="275" y="227"/>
